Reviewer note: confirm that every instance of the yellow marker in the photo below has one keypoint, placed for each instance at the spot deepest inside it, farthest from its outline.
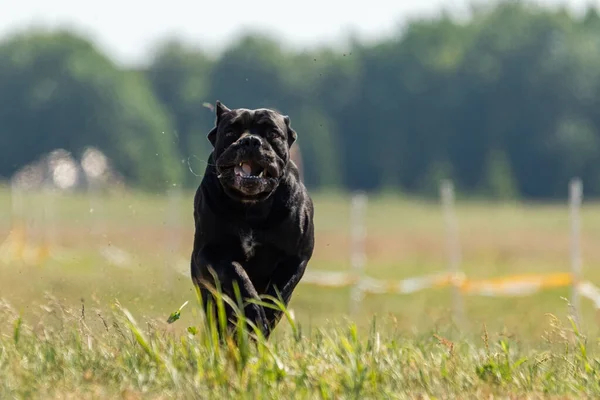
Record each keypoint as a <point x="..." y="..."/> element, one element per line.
<point x="517" y="284"/>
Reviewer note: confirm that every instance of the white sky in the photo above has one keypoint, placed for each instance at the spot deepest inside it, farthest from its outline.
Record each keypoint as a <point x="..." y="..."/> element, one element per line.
<point x="127" y="29"/>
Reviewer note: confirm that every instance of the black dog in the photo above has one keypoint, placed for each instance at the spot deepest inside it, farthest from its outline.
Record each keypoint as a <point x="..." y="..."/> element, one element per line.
<point x="253" y="216"/>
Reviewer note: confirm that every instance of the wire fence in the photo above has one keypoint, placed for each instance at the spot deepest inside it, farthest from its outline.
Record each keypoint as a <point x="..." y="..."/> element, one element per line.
<point x="453" y="277"/>
<point x="21" y="246"/>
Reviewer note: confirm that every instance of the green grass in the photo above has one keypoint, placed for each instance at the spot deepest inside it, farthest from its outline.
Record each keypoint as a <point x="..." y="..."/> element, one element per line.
<point x="82" y="353"/>
<point x="60" y="354"/>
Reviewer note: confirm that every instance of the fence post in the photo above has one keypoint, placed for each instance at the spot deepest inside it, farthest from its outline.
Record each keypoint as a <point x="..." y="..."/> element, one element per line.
<point x="575" y="199"/>
<point x="358" y="257"/>
<point x="452" y="248"/>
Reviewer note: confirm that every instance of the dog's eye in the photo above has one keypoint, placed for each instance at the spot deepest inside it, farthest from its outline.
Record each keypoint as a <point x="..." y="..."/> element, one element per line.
<point x="272" y="134"/>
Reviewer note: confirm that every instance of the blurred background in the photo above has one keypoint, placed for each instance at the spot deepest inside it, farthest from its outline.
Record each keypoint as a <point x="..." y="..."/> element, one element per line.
<point x="104" y="112"/>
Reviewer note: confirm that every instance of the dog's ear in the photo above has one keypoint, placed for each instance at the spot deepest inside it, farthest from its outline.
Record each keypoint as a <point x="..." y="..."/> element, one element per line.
<point x="212" y="136"/>
<point x="291" y="133"/>
<point x="220" y="110"/>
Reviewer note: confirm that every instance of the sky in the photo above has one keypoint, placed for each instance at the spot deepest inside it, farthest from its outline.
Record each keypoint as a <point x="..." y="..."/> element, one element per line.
<point x="127" y="30"/>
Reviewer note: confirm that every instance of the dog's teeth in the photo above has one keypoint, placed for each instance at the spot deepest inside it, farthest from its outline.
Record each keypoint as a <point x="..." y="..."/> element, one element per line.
<point x="261" y="173"/>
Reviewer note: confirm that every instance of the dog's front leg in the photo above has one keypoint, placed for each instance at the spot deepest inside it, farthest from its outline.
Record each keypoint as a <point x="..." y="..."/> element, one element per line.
<point x="284" y="281"/>
<point x="228" y="272"/>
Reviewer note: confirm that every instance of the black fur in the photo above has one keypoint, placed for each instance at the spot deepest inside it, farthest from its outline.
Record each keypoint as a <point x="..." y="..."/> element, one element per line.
<point x="255" y="231"/>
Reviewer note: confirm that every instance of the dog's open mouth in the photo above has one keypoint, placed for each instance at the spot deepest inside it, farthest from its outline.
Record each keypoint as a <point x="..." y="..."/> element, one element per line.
<point x="250" y="170"/>
<point x="248" y="179"/>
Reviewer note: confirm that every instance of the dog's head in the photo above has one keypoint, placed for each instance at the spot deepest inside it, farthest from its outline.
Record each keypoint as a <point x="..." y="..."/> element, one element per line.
<point x="251" y="151"/>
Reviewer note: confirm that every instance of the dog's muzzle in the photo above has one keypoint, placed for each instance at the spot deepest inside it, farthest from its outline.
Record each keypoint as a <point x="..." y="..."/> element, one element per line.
<point x="248" y="167"/>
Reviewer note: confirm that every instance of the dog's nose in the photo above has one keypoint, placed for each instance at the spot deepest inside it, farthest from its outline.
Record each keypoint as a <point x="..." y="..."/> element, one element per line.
<point x="251" y="141"/>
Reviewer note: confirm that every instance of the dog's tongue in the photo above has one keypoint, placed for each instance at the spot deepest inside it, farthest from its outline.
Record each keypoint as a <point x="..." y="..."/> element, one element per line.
<point x="246" y="169"/>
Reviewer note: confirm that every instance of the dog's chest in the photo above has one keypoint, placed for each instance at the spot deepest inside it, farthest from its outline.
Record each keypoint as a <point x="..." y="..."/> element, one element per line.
<point x="259" y="256"/>
<point x="249" y="243"/>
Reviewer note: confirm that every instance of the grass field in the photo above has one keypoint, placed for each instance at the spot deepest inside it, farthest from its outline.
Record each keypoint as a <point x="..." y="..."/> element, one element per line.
<point x="415" y="350"/>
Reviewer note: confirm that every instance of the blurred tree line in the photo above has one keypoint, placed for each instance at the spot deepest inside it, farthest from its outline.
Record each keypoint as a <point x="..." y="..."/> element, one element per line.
<point x="505" y="103"/>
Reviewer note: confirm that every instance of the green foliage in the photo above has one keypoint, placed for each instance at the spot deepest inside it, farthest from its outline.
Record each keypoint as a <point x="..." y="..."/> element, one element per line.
<point x="499" y="368"/>
<point x="506" y="101"/>
<point x="58" y="91"/>
<point x="500" y="182"/>
<point x="67" y="355"/>
<point x="438" y="171"/>
<point x="175" y="315"/>
<point x="179" y="77"/>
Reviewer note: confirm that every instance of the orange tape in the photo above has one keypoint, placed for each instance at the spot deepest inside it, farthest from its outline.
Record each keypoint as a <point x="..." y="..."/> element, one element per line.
<point x="509" y="285"/>
<point x="517" y="284"/>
